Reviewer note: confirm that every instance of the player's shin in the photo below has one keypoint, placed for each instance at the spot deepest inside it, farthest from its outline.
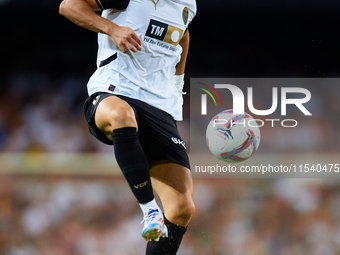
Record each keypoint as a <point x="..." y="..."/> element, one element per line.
<point x="133" y="163"/>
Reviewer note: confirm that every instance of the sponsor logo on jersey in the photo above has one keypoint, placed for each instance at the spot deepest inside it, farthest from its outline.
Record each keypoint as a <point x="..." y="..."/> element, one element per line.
<point x="185" y="15"/>
<point x="178" y="141"/>
<point x="111" y="87"/>
<point x="164" y="32"/>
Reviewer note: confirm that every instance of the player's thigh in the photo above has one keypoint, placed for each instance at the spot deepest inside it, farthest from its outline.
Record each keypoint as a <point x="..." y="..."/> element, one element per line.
<point x="112" y="113"/>
<point x="174" y="186"/>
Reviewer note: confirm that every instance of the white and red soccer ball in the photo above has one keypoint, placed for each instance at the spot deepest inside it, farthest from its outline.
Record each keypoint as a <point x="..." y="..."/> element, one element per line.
<point x="233" y="137"/>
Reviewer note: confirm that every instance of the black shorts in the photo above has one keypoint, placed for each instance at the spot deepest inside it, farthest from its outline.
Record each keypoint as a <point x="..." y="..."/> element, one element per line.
<point x="157" y="130"/>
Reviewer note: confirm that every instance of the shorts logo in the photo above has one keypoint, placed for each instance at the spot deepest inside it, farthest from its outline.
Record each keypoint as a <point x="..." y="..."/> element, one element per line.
<point x="164" y="32"/>
<point x="178" y="141"/>
<point x="95" y="101"/>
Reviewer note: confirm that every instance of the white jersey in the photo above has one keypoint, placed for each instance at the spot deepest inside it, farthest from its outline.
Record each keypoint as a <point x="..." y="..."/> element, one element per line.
<point x="146" y="75"/>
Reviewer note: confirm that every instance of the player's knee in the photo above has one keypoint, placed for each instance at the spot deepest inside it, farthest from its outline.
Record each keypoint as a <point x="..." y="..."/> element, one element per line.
<point x="185" y="210"/>
<point x="188" y="210"/>
<point x="122" y="116"/>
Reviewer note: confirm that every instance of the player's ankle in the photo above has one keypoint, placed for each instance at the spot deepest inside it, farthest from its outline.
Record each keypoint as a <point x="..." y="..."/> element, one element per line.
<point x="149" y="205"/>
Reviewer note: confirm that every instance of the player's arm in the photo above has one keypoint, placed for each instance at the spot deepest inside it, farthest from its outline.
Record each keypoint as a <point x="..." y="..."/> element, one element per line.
<point x="179" y="74"/>
<point x="185" y="46"/>
<point x="83" y="13"/>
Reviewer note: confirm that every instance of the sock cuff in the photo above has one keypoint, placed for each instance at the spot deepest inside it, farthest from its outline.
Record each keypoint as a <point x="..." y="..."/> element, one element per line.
<point x="174" y="227"/>
<point x="125" y="134"/>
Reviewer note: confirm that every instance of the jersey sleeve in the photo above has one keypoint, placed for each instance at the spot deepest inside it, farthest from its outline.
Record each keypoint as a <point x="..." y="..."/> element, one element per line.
<point x="113" y="4"/>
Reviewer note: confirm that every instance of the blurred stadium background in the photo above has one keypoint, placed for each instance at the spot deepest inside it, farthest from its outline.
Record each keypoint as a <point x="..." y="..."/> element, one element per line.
<point x="61" y="191"/>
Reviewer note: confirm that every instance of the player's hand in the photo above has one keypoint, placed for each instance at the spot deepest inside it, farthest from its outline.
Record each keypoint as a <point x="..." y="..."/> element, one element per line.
<point x="179" y="84"/>
<point x="126" y="39"/>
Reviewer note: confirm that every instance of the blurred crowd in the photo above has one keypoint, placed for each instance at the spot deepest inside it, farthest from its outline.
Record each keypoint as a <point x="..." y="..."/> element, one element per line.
<point x="55" y="215"/>
<point x="91" y="216"/>
<point x="41" y="110"/>
<point x="42" y="113"/>
<point x="38" y="113"/>
<point x="315" y="133"/>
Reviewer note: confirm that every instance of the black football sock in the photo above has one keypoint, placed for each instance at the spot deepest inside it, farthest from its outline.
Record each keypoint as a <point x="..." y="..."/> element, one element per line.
<point x="167" y="245"/>
<point x="133" y="163"/>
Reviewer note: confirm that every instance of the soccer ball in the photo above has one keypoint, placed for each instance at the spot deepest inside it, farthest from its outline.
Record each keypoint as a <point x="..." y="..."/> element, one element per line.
<point x="233" y="137"/>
